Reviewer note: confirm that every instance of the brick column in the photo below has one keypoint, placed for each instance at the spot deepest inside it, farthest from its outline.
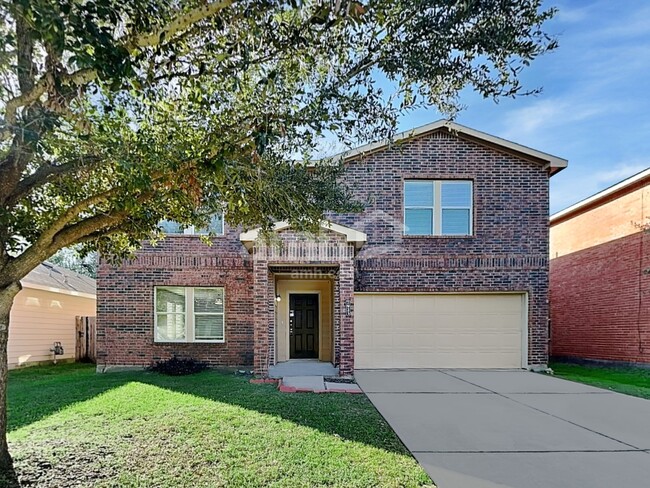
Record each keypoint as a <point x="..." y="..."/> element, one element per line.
<point x="538" y="314"/>
<point x="260" y="317"/>
<point x="346" y="322"/>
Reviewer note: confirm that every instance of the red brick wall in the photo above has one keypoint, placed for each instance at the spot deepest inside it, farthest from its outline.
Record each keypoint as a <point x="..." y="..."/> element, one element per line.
<point x="508" y="252"/>
<point x="509" y="248"/>
<point x="601" y="301"/>
<point x="345" y="285"/>
<point x="125" y="305"/>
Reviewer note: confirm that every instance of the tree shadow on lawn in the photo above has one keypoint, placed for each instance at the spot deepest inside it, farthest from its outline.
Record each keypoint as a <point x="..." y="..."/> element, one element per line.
<point x="39" y="392"/>
<point x="351" y="417"/>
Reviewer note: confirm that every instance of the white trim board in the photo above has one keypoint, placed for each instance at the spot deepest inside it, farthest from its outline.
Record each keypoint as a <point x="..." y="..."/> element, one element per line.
<point x="601" y="195"/>
<point x="63" y="291"/>
<point x="248" y="238"/>
<point x="553" y="162"/>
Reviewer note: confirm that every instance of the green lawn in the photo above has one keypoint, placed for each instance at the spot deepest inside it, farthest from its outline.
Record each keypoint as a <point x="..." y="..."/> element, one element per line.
<point x="632" y="381"/>
<point x="71" y="427"/>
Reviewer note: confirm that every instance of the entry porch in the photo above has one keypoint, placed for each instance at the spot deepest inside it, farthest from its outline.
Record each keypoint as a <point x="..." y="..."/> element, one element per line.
<point x="303" y="300"/>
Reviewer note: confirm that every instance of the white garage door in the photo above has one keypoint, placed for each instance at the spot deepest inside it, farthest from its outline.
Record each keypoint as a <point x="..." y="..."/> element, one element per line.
<point x="439" y="331"/>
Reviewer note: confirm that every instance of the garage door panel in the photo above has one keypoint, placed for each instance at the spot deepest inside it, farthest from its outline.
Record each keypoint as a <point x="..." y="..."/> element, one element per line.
<point x="383" y="323"/>
<point x="410" y="341"/>
<point x="439" y="331"/>
<point x="414" y="322"/>
<point x="383" y="341"/>
<point x="382" y="304"/>
<point x="362" y="308"/>
<point x="425" y="307"/>
<point x="404" y="305"/>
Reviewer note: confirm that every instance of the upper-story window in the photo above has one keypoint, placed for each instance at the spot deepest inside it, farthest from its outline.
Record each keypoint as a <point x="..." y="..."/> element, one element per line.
<point x="215" y="227"/>
<point x="438" y="207"/>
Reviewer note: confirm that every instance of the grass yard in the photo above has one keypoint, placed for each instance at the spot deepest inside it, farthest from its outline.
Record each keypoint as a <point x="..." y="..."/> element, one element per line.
<point x="71" y="427"/>
<point x="631" y="381"/>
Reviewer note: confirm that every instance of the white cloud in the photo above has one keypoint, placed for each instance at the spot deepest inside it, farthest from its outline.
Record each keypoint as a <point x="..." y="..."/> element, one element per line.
<point x="522" y="123"/>
<point x="619" y="172"/>
<point x="570" y="15"/>
<point x="636" y="25"/>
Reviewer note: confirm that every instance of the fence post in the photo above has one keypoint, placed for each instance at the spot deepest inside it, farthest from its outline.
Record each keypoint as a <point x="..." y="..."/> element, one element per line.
<point x="86" y="332"/>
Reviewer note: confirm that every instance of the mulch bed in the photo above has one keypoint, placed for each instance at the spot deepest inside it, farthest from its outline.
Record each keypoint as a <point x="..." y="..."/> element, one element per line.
<point x="336" y="379"/>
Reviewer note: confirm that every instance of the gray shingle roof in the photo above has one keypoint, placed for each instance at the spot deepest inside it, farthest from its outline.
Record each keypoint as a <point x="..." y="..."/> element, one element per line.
<point x="48" y="274"/>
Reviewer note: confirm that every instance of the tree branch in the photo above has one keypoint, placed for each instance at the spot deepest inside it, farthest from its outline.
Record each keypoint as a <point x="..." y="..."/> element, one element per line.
<point x="71" y="234"/>
<point x="44" y="175"/>
<point x="85" y="76"/>
<point x="81" y="77"/>
<point x="18" y="267"/>
<point x="74" y="211"/>
<point x="177" y="25"/>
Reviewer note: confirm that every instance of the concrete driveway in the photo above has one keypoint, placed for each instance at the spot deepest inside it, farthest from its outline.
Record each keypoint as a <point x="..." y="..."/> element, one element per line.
<point x="514" y="429"/>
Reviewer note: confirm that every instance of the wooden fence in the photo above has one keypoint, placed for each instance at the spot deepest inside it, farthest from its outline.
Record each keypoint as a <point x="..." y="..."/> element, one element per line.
<point x="85" y="349"/>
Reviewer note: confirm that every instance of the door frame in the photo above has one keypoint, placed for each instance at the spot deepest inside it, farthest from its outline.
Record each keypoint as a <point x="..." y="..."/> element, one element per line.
<point x="320" y="320"/>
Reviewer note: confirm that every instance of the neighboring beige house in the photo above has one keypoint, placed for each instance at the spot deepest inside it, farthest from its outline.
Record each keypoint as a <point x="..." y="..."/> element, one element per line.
<point x="44" y="312"/>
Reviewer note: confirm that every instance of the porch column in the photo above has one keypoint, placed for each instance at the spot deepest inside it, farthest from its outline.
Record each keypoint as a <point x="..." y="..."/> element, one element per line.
<point x="346" y="322"/>
<point x="260" y="317"/>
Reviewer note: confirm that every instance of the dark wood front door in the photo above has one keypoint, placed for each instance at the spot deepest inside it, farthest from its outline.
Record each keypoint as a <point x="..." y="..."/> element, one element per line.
<point x="303" y="325"/>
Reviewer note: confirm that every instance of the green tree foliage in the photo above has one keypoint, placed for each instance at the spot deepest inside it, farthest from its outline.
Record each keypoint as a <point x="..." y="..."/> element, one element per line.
<point x="117" y="114"/>
<point x="71" y="258"/>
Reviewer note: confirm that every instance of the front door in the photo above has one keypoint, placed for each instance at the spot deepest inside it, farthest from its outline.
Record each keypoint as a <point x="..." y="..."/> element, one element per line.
<point x="303" y="325"/>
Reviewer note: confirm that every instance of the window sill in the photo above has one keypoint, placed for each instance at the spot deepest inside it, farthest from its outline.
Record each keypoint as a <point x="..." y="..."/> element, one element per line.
<point x="424" y="236"/>
<point x="194" y="235"/>
<point x="221" y="341"/>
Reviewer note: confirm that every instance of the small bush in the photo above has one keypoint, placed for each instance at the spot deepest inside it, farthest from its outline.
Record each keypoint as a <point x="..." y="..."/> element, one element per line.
<point x="178" y="366"/>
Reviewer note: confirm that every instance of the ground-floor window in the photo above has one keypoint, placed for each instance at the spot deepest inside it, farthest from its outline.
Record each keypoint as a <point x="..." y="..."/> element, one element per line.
<point x="186" y="314"/>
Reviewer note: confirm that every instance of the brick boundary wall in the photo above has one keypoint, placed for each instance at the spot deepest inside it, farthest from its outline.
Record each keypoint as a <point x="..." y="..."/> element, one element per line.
<point x="600" y="302"/>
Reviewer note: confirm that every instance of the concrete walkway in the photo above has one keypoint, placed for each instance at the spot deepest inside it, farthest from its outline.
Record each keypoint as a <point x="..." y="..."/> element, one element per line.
<point x="315" y="384"/>
<point x="302" y="367"/>
<point x="514" y="429"/>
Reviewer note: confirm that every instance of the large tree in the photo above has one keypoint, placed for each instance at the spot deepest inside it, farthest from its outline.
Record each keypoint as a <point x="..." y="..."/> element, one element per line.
<point x="119" y="113"/>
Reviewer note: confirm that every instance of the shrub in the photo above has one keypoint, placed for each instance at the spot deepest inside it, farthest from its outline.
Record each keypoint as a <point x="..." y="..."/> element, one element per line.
<point x="178" y="366"/>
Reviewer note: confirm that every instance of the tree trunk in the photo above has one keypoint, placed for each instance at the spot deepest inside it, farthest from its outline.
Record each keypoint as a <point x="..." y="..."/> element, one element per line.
<point x="7" y="294"/>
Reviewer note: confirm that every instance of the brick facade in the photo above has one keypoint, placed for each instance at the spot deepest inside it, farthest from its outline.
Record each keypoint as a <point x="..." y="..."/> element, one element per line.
<point x="600" y="298"/>
<point x="509" y="248"/>
<point x="507" y="252"/>
<point x="125" y="305"/>
<point x="600" y="286"/>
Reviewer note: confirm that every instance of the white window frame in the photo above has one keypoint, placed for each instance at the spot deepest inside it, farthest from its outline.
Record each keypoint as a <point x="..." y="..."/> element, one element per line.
<point x="437" y="208"/>
<point x="190" y="321"/>
<point x="470" y="208"/>
<point x="190" y="230"/>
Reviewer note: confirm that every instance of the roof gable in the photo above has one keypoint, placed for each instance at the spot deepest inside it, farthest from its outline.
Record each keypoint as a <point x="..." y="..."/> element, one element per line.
<point x="351" y="235"/>
<point x="553" y="163"/>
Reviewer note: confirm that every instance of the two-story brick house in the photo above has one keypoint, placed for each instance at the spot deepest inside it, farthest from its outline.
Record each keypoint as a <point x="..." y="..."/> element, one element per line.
<point x="446" y="267"/>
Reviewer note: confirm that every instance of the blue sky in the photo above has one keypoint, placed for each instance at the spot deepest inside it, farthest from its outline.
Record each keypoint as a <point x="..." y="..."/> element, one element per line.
<point x="594" y="109"/>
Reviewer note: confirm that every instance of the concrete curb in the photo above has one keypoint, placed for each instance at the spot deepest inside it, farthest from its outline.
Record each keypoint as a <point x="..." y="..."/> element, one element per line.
<point x="291" y="389"/>
<point x="264" y="381"/>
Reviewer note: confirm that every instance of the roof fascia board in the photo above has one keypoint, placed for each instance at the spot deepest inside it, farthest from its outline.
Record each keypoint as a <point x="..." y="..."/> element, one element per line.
<point x="602" y="195"/>
<point x="34" y="286"/>
<point x="555" y="163"/>
<point x="351" y="235"/>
